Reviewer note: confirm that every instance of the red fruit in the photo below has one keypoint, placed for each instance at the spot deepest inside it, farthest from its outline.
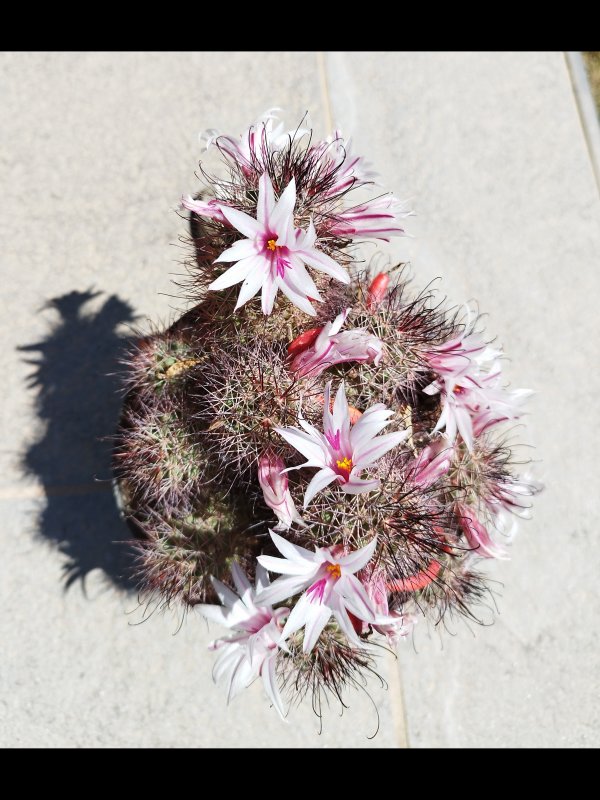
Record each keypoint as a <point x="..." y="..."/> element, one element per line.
<point x="303" y="342"/>
<point x="377" y="290"/>
<point x="353" y="412"/>
<point x="413" y="583"/>
<point x="357" y="623"/>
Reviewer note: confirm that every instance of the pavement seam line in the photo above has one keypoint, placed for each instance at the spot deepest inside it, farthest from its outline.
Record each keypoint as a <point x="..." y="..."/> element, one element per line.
<point x="395" y="688"/>
<point x="326" y="96"/>
<point x="396" y="691"/>
<point x="586" y="108"/>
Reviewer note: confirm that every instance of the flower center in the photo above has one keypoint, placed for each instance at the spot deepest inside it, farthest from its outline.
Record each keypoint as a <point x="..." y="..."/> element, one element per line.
<point x="272" y="244"/>
<point x="459" y="389"/>
<point x="345" y="464"/>
<point x="334" y="570"/>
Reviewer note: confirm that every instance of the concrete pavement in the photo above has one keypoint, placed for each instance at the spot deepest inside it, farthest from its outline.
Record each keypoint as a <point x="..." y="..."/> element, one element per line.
<point x="96" y="151"/>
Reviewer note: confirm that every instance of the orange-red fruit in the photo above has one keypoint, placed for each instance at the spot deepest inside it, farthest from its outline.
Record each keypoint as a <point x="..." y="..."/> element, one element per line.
<point x="303" y="342"/>
<point x="377" y="290"/>
<point x="413" y="583"/>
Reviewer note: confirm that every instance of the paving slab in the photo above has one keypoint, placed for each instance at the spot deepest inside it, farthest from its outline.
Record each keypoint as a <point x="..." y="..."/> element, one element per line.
<point x="96" y="150"/>
<point x="489" y="148"/>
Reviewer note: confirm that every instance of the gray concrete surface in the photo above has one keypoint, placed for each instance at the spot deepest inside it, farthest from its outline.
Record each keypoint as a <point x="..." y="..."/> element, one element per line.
<point x="95" y="152"/>
<point x="491" y="149"/>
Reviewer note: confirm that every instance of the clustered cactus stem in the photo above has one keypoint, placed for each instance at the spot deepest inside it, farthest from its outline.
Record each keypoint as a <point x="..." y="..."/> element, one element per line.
<point x="317" y="467"/>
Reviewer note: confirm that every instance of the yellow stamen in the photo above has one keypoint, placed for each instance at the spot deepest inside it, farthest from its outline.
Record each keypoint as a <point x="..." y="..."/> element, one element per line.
<point x="345" y="463"/>
<point x="458" y="389"/>
<point x="271" y="244"/>
<point x="335" y="570"/>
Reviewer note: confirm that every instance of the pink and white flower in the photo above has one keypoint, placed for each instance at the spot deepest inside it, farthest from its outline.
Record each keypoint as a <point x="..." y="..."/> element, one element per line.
<point x="477" y="535"/>
<point x="458" y="355"/>
<point x="512" y="494"/>
<point x="334" y="346"/>
<point x="346" y="170"/>
<point x="395" y="626"/>
<point x="274" y="252"/>
<point x="251" y="651"/>
<point x="332" y="588"/>
<point x="374" y="219"/>
<point x="274" y="483"/>
<point x="341" y="452"/>
<point x="469" y="381"/>
<point x="254" y="145"/>
<point x="432" y="463"/>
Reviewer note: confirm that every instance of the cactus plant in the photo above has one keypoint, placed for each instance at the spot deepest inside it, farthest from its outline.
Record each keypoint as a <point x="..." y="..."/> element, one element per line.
<point x="317" y="468"/>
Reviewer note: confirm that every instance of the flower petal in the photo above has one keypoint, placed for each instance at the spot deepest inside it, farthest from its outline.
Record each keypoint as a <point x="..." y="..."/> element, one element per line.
<point x="293" y="552"/>
<point x="262" y="578"/>
<point x="299" y="280"/>
<point x="324" y="263"/>
<point x="283" y="588"/>
<point x="284" y="566"/>
<point x="356" y="598"/>
<point x="338" y="322"/>
<point x="243" y="248"/>
<point x="341" y="416"/>
<point x="269" y="676"/>
<point x="224" y="593"/>
<point x="376" y="448"/>
<point x="295" y="297"/>
<point x="282" y="213"/>
<point x="213" y="613"/>
<point x="251" y="285"/>
<point x="360" y="485"/>
<point x="242" y="222"/>
<point x="242" y="584"/>
<point x="306" y="444"/>
<point x="372" y="422"/>
<point x="266" y="198"/>
<point x="359" y="558"/>
<point x="320" y="480"/>
<point x="269" y="290"/>
<point x="318" y="618"/>
<point x="238" y="272"/>
<point x="345" y="624"/>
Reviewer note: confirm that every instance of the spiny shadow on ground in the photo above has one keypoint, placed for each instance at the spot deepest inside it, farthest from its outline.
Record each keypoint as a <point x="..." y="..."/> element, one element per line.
<point x="78" y="401"/>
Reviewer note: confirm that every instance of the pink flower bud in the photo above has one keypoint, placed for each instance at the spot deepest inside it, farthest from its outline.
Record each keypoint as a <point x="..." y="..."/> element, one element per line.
<point x="274" y="483"/>
<point x="432" y="462"/>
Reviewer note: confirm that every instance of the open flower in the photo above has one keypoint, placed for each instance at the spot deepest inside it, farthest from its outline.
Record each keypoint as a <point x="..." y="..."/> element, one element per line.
<point x="333" y="588"/>
<point x="334" y="346"/>
<point x="469" y="382"/>
<point x="274" y="483"/>
<point x="342" y="452"/>
<point x="274" y="252"/>
<point x="252" y="649"/>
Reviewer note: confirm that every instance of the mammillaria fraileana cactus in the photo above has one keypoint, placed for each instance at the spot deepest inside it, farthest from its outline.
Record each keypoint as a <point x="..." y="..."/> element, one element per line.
<point x="318" y="467"/>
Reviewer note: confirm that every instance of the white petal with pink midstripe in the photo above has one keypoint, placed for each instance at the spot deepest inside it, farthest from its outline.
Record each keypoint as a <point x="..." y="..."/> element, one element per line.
<point x="342" y="452"/>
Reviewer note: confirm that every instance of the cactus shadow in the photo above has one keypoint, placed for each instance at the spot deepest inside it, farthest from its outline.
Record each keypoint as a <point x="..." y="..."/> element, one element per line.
<point x="78" y="403"/>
